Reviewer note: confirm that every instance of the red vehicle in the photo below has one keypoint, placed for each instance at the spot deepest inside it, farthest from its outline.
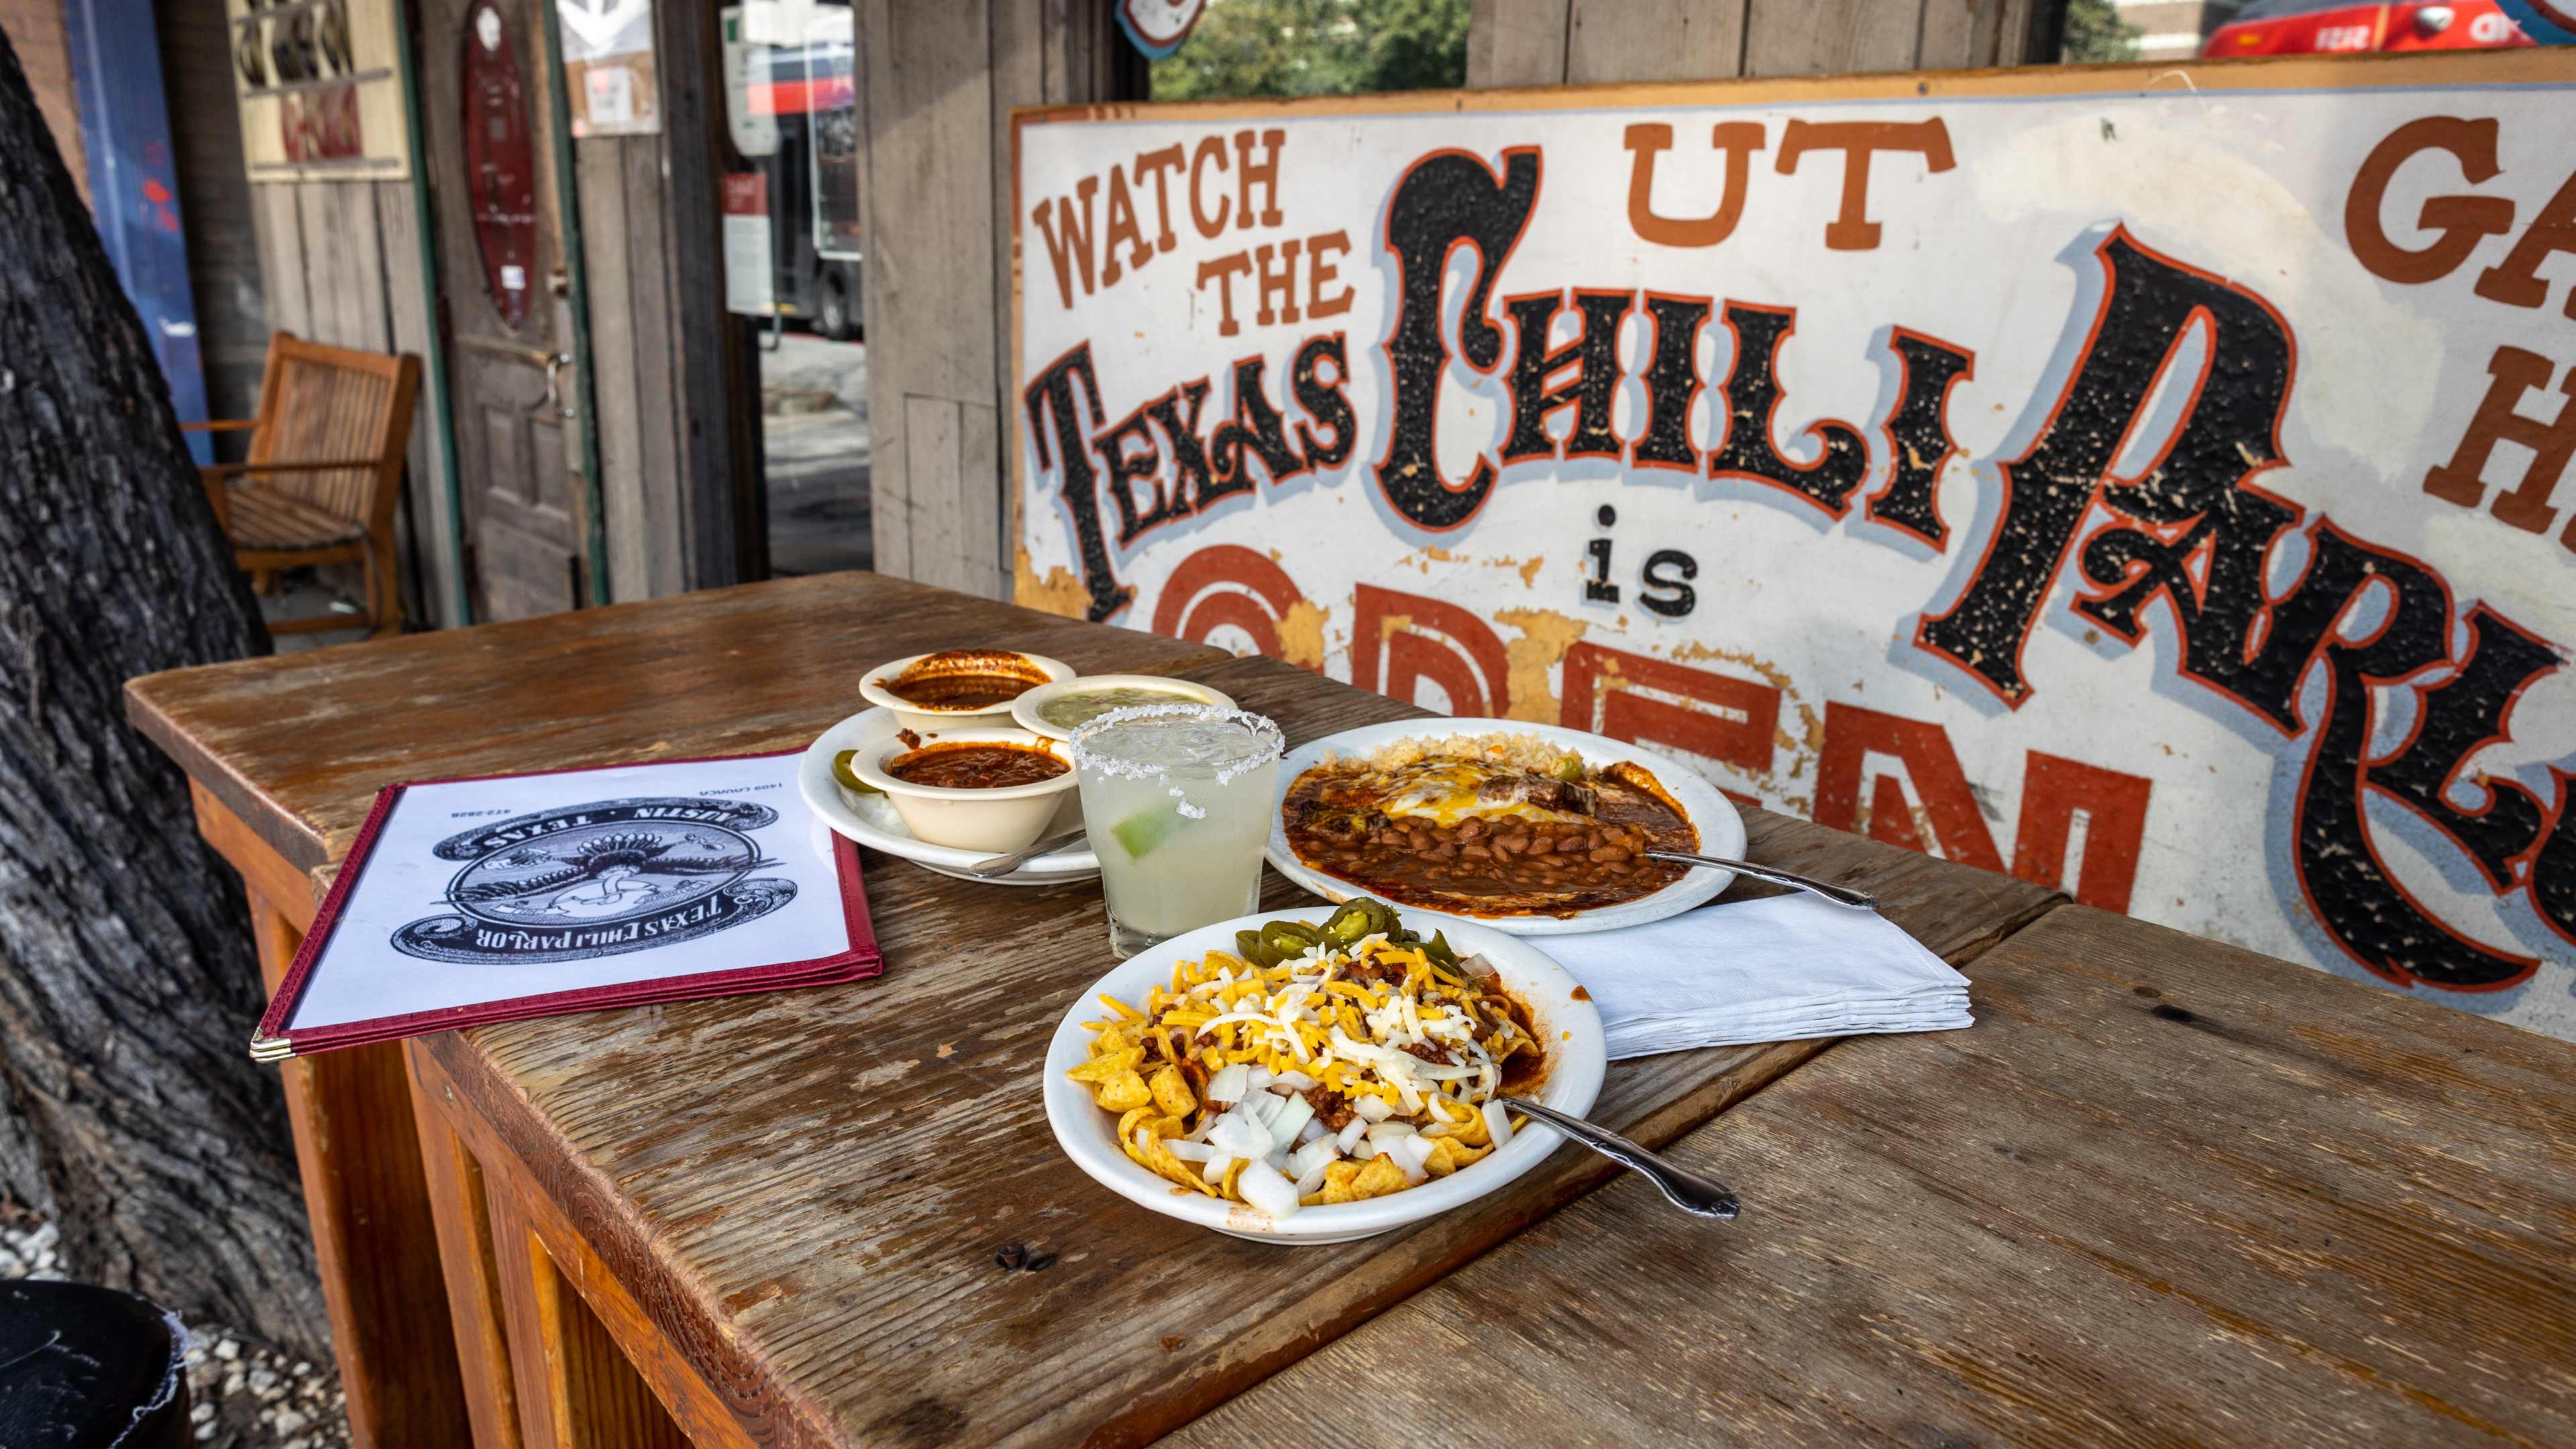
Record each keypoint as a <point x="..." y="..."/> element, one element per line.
<point x="2336" y="27"/>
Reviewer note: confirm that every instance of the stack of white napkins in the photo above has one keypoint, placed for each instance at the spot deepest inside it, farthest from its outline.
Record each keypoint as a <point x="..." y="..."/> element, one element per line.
<point x="1773" y="969"/>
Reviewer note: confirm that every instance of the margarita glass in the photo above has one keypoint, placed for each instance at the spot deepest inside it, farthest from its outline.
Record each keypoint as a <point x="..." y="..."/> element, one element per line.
<point x="1176" y="799"/>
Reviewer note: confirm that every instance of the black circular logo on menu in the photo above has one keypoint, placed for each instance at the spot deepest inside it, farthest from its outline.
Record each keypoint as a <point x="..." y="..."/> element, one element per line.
<point x="598" y="880"/>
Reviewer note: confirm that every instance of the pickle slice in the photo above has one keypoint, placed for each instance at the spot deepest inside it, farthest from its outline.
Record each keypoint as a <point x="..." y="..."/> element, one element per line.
<point x="848" y="777"/>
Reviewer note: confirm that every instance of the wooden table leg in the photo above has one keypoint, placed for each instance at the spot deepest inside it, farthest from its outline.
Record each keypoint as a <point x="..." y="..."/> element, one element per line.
<point x="585" y="1365"/>
<point x="359" y="1157"/>
<point x="460" y="1205"/>
<point x="578" y="1389"/>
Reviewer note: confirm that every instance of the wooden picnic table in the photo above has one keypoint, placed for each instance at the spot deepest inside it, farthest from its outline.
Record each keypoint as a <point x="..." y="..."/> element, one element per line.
<point x="2164" y="1190"/>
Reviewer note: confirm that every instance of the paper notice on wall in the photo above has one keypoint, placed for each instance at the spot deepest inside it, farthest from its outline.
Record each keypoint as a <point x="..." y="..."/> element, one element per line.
<point x="608" y="66"/>
<point x="748" y="265"/>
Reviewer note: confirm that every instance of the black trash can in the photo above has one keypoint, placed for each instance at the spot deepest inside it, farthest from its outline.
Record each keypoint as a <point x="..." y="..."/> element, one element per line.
<point x="85" y="1368"/>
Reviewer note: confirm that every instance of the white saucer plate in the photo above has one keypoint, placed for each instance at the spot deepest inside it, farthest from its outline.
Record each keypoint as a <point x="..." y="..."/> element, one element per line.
<point x="871" y="820"/>
<point x="1720" y="825"/>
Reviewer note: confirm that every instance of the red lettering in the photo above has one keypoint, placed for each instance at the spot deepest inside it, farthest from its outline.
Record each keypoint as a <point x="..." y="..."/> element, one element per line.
<point x="1948" y="806"/>
<point x="1399" y="640"/>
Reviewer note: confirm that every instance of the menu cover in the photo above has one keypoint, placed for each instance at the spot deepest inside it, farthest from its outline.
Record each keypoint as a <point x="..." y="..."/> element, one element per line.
<point x="510" y="896"/>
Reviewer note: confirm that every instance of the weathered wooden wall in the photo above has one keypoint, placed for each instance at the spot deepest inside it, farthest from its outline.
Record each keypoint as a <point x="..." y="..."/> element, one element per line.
<point x="675" y="389"/>
<point x="215" y="199"/>
<point x="940" y="83"/>
<point x="1551" y="42"/>
<point x="341" y="262"/>
<point x="625" y="246"/>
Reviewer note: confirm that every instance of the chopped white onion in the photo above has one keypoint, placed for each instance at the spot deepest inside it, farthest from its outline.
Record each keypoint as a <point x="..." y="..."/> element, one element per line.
<point x="1264" y="1188"/>
<point x="1312" y="1179"/>
<point x="1294" y="1081"/>
<point x="1410" y="1154"/>
<point x="1237" y="1135"/>
<point x="1374" y="1109"/>
<point x="1352" y="1132"/>
<point x="1308" y="1133"/>
<point x="1263" y="1105"/>
<point x="1363" y="1150"/>
<point x="1216" y="1167"/>
<point x="1304" y="1159"/>
<point x="1259" y="1077"/>
<point x="1188" y="1151"/>
<point x="1229" y="1084"/>
<point x="1498" y="1123"/>
<point x="1384" y="1133"/>
<point x="1292" y="1116"/>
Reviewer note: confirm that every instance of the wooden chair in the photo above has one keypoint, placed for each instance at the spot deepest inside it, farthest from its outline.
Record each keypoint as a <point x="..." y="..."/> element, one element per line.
<point x="323" y="473"/>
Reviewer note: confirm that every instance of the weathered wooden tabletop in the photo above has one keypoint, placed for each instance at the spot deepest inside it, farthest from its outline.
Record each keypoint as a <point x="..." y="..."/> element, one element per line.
<point x="804" y="1190"/>
<point x="2165" y="1191"/>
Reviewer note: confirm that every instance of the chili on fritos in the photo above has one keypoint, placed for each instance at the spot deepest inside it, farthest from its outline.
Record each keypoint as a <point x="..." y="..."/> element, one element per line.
<point x="1320" y="1065"/>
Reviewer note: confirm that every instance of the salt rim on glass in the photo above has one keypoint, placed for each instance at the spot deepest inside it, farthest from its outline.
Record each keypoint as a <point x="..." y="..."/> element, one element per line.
<point x="1264" y="742"/>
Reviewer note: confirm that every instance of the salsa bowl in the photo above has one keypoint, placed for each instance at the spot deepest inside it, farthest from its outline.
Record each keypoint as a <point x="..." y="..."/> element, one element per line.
<point x="992" y="819"/>
<point x="1563" y="1019"/>
<point x="1029" y="711"/>
<point x="914" y="686"/>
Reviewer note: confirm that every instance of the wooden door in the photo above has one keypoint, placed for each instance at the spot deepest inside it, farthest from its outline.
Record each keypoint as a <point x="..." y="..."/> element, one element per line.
<point x="489" y="120"/>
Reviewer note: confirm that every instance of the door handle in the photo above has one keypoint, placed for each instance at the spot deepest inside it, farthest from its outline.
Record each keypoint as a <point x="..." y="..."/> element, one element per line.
<point x="553" y="400"/>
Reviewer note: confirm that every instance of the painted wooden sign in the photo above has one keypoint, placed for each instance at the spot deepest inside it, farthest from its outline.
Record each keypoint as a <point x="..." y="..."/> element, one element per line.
<point x="2142" y="480"/>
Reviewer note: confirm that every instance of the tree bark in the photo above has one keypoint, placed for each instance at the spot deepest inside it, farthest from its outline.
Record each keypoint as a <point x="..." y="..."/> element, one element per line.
<point x="127" y="982"/>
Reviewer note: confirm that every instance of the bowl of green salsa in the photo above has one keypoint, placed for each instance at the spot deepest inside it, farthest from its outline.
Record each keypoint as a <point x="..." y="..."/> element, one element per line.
<point x="1056" y="710"/>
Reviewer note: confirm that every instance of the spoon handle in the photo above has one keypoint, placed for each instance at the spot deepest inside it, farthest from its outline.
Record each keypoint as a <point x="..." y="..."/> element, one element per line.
<point x="1840" y="895"/>
<point x="1688" y="1190"/>
<point x="993" y="865"/>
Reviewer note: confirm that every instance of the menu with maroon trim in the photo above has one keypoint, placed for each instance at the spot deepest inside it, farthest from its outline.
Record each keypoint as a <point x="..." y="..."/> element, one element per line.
<point x="504" y="897"/>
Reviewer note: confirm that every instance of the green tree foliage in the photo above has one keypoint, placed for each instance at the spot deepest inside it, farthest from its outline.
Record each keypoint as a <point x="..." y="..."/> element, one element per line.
<point x="2095" y="32"/>
<point x="1317" y="48"/>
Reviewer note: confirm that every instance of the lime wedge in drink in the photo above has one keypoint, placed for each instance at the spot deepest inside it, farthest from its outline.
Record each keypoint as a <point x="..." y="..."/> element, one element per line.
<point x="1139" y="833"/>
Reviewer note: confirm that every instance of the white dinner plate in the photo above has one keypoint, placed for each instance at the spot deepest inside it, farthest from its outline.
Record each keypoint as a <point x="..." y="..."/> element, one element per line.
<point x="1721" y="828"/>
<point x="1566" y="1023"/>
<point x="871" y="819"/>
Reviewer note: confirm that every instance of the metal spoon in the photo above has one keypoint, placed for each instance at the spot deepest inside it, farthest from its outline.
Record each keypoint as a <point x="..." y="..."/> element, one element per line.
<point x="1688" y="1190"/>
<point x="993" y="865"/>
<point x="1839" y="895"/>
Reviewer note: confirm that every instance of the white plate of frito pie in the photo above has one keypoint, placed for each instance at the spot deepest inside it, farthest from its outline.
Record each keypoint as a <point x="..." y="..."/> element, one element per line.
<point x="1321" y="1074"/>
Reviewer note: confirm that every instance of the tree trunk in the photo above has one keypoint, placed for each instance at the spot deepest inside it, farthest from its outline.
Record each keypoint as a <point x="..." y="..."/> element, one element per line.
<point x="127" y="983"/>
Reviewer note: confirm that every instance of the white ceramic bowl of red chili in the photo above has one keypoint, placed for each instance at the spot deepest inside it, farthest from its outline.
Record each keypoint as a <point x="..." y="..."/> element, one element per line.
<point x="996" y="818"/>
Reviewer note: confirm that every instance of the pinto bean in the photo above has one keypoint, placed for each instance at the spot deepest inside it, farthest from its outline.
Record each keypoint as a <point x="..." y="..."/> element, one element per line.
<point x="1512" y="844"/>
<point x="1608" y="855"/>
<point x="1470" y="828"/>
<point x="1475" y="852"/>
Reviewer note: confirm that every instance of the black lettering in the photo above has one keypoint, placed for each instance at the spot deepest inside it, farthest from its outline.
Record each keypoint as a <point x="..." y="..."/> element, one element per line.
<point x="1448" y="199"/>
<point x="2351" y="891"/>
<point x="1256" y="426"/>
<point x="1192" y="477"/>
<point x="1326" y="402"/>
<point x="1753" y="396"/>
<point x="2458" y="717"/>
<point x="1665" y="593"/>
<point x="1128" y="467"/>
<point x="1050" y="394"/>
<point x="1594" y="356"/>
<point x="1672" y="383"/>
<point x="1918" y="433"/>
<point x="2226" y="438"/>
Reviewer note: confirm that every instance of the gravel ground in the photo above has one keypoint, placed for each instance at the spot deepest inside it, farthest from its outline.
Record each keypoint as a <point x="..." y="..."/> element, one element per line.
<point x="243" y="1394"/>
